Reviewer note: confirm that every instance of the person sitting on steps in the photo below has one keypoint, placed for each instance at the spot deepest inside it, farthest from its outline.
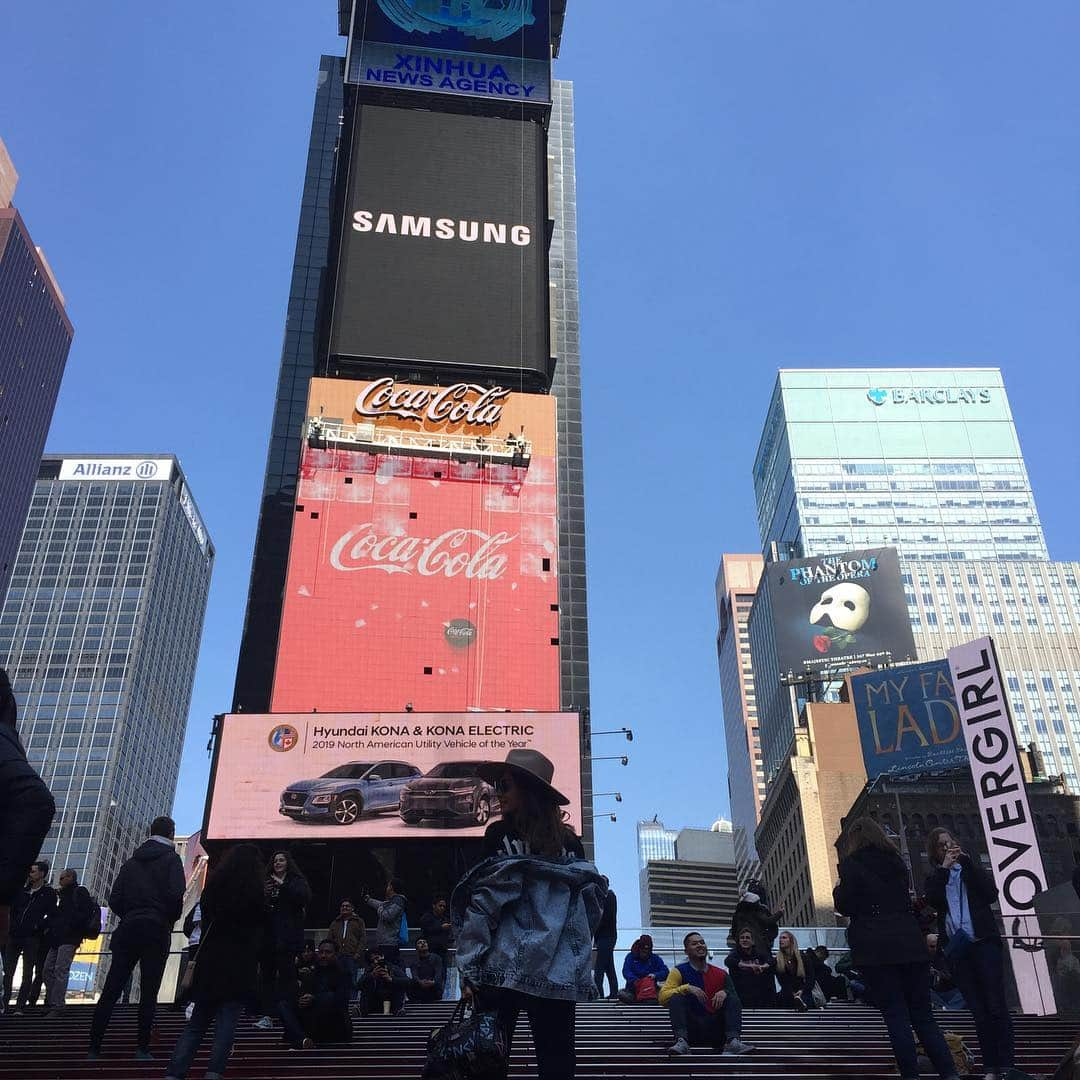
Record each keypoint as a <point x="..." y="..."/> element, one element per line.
<point x="703" y="1005"/>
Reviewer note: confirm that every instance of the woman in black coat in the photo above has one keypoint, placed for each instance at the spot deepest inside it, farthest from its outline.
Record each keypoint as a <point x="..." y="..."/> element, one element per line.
<point x="887" y="946"/>
<point x="226" y="973"/>
<point x="961" y="892"/>
<point x="795" y="973"/>
<point x="287" y="894"/>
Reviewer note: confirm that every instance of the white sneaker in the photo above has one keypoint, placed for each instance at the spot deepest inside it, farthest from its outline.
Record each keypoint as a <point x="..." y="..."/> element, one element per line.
<point x="264" y="1024"/>
<point x="734" y="1047"/>
<point x="679" y="1048"/>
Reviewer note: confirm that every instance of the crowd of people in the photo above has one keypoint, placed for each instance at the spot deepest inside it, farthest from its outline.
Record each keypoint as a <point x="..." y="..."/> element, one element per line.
<point x="524" y="924"/>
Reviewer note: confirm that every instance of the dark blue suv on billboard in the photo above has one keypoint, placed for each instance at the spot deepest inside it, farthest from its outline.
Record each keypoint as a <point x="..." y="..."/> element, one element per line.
<point x="340" y="796"/>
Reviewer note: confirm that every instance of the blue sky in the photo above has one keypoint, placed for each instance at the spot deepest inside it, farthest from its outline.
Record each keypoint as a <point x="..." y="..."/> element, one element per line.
<point x="761" y="184"/>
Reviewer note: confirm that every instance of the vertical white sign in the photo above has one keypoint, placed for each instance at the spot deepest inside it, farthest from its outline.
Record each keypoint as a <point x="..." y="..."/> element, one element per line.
<point x="1005" y="813"/>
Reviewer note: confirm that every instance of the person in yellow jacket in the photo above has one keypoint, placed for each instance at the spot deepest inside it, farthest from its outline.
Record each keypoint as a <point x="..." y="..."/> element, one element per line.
<point x="703" y="1004"/>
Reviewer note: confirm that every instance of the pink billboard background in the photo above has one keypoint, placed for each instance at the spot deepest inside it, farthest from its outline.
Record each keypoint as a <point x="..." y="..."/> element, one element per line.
<point x="268" y="763"/>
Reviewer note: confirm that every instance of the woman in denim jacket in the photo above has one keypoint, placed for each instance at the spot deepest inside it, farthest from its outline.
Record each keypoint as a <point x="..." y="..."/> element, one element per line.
<point x="535" y="877"/>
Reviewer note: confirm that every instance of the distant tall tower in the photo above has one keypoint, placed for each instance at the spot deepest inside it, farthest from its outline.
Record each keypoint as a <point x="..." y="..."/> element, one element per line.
<point x="100" y="635"/>
<point x="736" y="584"/>
<point x="35" y="336"/>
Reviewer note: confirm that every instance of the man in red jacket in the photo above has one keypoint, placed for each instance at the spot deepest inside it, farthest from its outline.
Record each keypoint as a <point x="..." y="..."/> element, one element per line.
<point x="703" y="1004"/>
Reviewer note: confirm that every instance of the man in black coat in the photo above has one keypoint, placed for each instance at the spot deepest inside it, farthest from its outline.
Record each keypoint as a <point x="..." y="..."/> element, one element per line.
<point x="148" y="895"/>
<point x="321" y="1013"/>
<point x="26" y="808"/>
<point x="604" y="940"/>
<point x="64" y="933"/>
<point x="30" y="912"/>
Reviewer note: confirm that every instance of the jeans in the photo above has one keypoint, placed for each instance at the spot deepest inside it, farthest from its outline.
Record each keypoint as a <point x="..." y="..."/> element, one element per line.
<point x="605" y="965"/>
<point x="980" y="976"/>
<point x="224" y="1015"/>
<point x="277" y="975"/>
<point x="33" y="957"/>
<point x="57" y="971"/>
<point x="143" y="943"/>
<point x="695" y="1025"/>
<point x="373" y="992"/>
<point x="551" y="1022"/>
<point x="902" y="993"/>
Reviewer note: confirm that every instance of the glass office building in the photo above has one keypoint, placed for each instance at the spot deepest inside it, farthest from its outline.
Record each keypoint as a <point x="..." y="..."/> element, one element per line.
<point x="35" y="336"/>
<point x="655" y="842"/>
<point x="100" y="635"/>
<point x="926" y="460"/>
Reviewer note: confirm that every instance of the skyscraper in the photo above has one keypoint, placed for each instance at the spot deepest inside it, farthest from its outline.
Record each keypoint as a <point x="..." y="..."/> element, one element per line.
<point x="736" y="584"/>
<point x="926" y="460"/>
<point x="100" y="635"/>
<point x="35" y="336"/>
<point x="654" y="842"/>
<point x="420" y="550"/>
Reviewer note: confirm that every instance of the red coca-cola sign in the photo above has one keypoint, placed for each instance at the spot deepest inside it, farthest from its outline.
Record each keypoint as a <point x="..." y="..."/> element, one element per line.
<point x="423" y="581"/>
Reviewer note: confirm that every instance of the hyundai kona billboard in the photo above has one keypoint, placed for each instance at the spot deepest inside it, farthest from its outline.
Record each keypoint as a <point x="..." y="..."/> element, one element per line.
<point x="499" y="50"/>
<point x="375" y="775"/>
<point x="442" y="260"/>
<point x="833" y="613"/>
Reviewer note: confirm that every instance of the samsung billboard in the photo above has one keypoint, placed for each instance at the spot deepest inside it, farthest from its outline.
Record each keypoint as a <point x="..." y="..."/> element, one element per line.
<point x="498" y="50"/>
<point x="442" y="258"/>
<point x="908" y="720"/>
<point x="833" y="613"/>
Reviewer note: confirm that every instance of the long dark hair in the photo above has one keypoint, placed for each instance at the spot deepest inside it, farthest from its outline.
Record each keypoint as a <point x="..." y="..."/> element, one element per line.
<point x="539" y="820"/>
<point x="932" y="845"/>
<point x="864" y="832"/>
<point x="291" y="868"/>
<point x="236" y="883"/>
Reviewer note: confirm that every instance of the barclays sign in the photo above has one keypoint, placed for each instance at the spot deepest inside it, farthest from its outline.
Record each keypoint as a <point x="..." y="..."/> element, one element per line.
<point x="940" y="395"/>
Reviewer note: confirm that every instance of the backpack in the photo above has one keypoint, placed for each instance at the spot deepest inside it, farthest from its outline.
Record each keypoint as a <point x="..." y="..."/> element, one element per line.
<point x="962" y="1057"/>
<point x="645" y="989"/>
<point x="92" y="925"/>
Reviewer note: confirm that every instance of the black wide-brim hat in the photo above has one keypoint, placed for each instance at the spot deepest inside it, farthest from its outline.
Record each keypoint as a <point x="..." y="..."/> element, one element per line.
<point x="531" y="766"/>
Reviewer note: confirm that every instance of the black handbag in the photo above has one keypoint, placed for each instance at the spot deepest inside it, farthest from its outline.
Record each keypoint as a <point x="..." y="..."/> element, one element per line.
<point x="472" y="1045"/>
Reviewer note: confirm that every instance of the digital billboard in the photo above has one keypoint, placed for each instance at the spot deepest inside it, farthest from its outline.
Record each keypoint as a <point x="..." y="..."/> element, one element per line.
<point x="836" y="612"/>
<point x="442" y="261"/>
<point x="908" y="721"/>
<point x="494" y="49"/>
<point x="417" y="577"/>
<point x="390" y="776"/>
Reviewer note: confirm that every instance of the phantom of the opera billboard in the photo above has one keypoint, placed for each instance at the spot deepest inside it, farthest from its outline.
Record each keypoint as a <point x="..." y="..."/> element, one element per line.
<point x="837" y="612"/>
<point x="499" y="50"/>
<point x="908" y="720"/>
<point x="442" y="259"/>
<point x="391" y="776"/>
<point x="423" y="565"/>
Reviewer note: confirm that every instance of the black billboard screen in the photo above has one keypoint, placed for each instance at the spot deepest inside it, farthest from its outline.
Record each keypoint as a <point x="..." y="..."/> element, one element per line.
<point x="443" y="253"/>
<point x="836" y="612"/>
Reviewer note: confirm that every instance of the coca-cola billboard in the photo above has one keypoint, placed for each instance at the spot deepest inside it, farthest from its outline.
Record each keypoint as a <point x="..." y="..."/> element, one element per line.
<point x="422" y="581"/>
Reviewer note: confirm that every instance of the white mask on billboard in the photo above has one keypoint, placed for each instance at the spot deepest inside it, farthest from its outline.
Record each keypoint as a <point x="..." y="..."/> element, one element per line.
<point x="846" y="605"/>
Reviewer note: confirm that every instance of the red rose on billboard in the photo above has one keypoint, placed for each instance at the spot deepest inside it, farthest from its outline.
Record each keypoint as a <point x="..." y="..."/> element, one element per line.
<point x="822" y="642"/>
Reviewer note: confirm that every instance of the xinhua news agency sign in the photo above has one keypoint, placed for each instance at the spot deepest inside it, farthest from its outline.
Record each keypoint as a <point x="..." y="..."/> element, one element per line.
<point x="1006" y="815"/>
<point x="499" y="50"/>
<point x="908" y="720"/>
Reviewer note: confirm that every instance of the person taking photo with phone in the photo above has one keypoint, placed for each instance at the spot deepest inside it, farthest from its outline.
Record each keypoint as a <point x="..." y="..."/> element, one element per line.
<point x="961" y="892"/>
